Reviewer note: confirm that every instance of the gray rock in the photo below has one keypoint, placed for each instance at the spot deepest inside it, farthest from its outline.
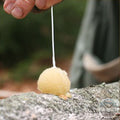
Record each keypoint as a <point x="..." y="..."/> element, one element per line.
<point x="92" y="103"/>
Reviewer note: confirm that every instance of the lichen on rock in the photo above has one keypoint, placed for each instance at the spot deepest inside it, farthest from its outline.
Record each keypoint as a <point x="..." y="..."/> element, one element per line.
<point x="84" y="105"/>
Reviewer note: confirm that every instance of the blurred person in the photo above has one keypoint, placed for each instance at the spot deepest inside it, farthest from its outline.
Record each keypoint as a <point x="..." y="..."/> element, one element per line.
<point x="96" y="57"/>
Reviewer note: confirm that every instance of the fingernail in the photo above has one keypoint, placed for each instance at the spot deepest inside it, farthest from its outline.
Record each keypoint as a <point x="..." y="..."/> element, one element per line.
<point x="9" y="7"/>
<point x="17" y="12"/>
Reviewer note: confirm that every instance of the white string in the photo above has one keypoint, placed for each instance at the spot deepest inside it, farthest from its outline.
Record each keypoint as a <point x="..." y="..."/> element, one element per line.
<point x="53" y="46"/>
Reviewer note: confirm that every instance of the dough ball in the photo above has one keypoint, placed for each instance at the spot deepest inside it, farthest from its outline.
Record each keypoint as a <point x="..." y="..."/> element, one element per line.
<point x="54" y="81"/>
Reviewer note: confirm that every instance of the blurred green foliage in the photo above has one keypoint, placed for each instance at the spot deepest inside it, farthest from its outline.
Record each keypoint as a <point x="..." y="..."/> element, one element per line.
<point x="22" y="40"/>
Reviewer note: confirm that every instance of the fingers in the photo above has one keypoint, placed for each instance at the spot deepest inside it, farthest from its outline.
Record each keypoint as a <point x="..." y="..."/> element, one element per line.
<point x="18" y="8"/>
<point x="45" y="4"/>
<point x="8" y="5"/>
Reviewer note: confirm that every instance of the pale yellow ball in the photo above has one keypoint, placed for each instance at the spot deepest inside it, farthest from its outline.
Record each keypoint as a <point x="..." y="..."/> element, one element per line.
<point x="54" y="81"/>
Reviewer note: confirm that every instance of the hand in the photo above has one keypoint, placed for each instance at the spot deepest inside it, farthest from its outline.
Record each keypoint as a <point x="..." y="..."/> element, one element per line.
<point x="20" y="8"/>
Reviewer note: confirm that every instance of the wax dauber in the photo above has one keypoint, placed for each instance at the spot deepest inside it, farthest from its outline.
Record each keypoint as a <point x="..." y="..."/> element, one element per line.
<point x="54" y="80"/>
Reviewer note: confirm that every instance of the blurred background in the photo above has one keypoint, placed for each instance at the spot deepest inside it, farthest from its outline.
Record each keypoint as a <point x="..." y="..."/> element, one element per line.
<point x="25" y="45"/>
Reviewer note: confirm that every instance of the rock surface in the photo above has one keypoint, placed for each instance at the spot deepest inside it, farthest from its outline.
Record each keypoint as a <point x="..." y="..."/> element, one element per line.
<point x="92" y="103"/>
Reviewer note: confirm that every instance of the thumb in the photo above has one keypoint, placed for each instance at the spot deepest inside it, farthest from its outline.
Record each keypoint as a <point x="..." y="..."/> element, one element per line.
<point x="45" y="4"/>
